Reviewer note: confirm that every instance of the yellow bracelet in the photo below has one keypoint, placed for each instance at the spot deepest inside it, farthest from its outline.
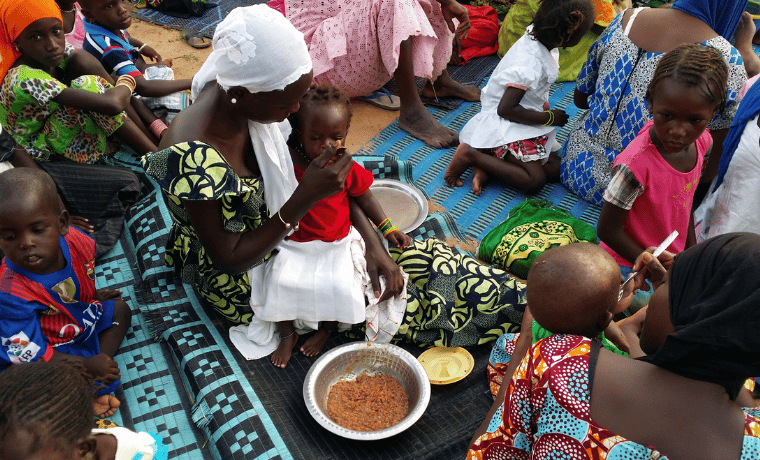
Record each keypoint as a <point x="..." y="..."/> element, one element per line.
<point x="389" y="231"/>
<point x="128" y="81"/>
<point x="381" y="224"/>
<point x="551" y="118"/>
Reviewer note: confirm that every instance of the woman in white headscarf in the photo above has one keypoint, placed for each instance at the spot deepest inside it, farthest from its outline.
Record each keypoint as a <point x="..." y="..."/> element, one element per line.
<point x="228" y="179"/>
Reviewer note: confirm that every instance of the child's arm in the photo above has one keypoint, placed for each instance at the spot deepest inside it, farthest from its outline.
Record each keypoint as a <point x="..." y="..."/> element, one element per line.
<point x="610" y="230"/>
<point x="159" y="88"/>
<point x="378" y="260"/>
<point x="691" y="235"/>
<point x="510" y="109"/>
<point x="145" y="50"/>
<point x="112" y="101"/>
<point x="374" y="211"/>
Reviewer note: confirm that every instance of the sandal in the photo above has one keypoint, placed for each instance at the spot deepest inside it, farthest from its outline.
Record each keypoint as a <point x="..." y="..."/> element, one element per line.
<point x="195" y="39"/>
<point x="382" y="98"/>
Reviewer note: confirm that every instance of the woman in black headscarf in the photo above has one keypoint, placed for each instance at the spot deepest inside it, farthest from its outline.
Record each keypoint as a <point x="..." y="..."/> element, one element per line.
<point x="684" y="400"/>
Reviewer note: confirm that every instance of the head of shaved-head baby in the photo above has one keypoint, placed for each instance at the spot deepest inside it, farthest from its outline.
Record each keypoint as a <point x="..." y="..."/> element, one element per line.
<point x="573" y="289"/>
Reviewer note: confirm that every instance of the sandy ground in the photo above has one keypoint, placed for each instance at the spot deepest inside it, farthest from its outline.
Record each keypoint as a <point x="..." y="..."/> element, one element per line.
<point x="367" y="121"/>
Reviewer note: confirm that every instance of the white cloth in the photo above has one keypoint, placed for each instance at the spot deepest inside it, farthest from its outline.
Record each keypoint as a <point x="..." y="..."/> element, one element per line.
<point x="734" y="206"/>
<point x="323" y="301"/>
<point x="131" y="445"/>
<point x="529" y="65"/>
<point x="310" y="281"/>
<point x="257" y="48"/>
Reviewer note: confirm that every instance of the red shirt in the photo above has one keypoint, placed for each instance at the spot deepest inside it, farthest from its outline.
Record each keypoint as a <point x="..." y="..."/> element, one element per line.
<point x="328" y="219"/>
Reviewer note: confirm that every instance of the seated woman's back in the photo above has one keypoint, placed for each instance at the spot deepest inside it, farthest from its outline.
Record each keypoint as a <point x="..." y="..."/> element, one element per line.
<point x="659" y="30"/>
<point x="649" y="405"/>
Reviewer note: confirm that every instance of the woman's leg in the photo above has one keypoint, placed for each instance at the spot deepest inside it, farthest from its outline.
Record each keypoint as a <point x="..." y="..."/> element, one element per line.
<point x="445" y="86"/>
<point x="288" y="340"/>
<point x="414" y="117"/>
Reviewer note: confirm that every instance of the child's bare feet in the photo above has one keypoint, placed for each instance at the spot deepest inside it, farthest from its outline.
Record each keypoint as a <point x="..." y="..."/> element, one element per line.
<point x="478" y="180"/>
<point x="284" y="351"/>
<point x="459" y="163"/>
<point x="105" y="405"/>
<point x="314" y="344"/>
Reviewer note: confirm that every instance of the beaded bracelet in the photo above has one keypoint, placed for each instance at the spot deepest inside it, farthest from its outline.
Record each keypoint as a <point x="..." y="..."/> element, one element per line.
<point x="128" y="81"/>
<point x="551" y="118"/>
<point x="389" y="231"/>
<point x="158" y="127"/>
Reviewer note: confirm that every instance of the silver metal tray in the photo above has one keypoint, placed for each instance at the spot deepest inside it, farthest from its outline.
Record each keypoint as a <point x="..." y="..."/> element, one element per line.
<point x="405" y="204"/>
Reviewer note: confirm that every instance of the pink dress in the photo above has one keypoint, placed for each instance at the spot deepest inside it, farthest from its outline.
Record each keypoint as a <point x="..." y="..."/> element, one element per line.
<point x="355" y="44"/>
<point x="658" y="197"/>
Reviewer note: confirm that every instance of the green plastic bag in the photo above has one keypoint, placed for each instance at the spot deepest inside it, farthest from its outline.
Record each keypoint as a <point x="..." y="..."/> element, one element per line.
<point x="532" y="227"/>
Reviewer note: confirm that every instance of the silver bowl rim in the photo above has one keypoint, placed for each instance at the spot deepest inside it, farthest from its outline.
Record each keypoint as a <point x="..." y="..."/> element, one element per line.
<point x="326" y="422"/>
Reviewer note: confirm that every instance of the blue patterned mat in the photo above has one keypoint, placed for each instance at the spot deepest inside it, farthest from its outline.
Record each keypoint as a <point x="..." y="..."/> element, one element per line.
<point x="182" y="379"/>
<point x="476" y="215"/>
<point x="205" y="25"/>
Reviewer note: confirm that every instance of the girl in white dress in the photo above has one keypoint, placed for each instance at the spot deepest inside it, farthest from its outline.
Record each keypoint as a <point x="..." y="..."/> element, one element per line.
<point x="511" y="137"/>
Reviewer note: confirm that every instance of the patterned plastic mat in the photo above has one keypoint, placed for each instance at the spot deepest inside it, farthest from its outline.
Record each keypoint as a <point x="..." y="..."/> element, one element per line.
<point x="205" y="25"/>
<point x="183" y="380"/>
<point x="476" y="215"/>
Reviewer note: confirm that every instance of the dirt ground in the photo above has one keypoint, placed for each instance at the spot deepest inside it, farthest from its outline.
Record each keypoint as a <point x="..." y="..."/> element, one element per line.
<point x="367" y="121"/>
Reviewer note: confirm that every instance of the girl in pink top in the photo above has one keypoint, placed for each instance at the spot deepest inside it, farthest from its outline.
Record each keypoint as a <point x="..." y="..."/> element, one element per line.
<point x="655" y="177"/>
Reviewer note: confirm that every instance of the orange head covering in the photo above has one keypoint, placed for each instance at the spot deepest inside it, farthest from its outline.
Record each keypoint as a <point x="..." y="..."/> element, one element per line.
<point x="16" y="16"/>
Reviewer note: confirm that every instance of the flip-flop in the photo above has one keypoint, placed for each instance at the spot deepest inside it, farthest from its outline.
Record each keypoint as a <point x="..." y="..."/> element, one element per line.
<point x="382" y="98"/>
<point x="195" y="39"/>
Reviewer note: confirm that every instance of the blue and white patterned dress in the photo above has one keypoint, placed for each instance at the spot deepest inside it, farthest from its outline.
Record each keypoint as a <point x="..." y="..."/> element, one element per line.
<point x="615" y="77"/>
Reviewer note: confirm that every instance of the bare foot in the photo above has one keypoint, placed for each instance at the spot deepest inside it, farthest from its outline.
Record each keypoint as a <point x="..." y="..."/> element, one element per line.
<point x="479" y="180"/>
<point x="314" y="344"/>
<point x="284" y="351"/>
<point x="445" y="86"/>
<point x="745" y="30"/>
<point x="418" y="122"/>
<point x="744" y="37"/>
<point x="459" y="163"/>
<point x="105" y="405"/>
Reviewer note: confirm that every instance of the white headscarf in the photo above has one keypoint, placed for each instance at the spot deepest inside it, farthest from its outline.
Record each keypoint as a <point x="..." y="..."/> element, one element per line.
<point x="257" y="48"/>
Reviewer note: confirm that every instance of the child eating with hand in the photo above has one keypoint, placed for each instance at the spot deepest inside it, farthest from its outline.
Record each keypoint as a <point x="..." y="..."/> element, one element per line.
<point x="49" y="307"/>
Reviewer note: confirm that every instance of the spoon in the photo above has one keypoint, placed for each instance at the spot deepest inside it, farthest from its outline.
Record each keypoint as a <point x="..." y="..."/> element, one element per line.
<point x="656" y="253"/>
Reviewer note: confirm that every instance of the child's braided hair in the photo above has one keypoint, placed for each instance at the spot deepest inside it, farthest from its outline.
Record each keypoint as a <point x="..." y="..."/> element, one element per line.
<point x="558" y="21"/>
<point x="52" y="401"/>
<point x="321" y="94"/>
<point x="696" y="65"/>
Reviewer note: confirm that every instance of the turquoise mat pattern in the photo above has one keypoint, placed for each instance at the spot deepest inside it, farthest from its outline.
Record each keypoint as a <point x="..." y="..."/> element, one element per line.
<point x="182" y="380"/>
<point x="476" y="215"/>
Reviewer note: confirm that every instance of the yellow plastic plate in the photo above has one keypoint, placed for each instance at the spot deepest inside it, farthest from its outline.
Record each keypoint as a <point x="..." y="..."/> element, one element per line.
<point x="445" y="365"/>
